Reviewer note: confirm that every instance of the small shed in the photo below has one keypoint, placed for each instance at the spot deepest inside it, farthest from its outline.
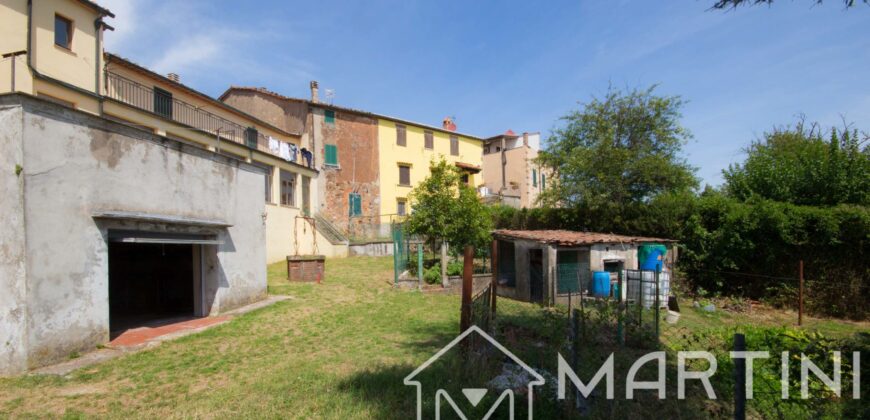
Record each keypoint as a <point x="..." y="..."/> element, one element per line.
<point x="531" y="263"/>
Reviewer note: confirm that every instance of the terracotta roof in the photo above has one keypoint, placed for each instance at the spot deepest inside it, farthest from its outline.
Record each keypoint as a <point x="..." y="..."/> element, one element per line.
<point x="570" y="238"/>
<point x="341" y="108"/>
<point x="468" y="166"/>
<point x="100" y="9"/>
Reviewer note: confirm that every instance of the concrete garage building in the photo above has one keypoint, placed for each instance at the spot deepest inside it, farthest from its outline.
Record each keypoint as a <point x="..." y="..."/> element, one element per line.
<point x="107" y="227"/>
<point x="538" y="265"/>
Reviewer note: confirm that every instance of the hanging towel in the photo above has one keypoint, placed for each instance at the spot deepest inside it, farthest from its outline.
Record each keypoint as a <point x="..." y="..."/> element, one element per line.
<point x="284" y="152"/>
<point x="274" y="146"/>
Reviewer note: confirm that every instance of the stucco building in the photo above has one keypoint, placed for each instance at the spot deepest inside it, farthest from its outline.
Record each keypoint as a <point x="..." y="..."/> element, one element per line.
<point x="511" y="175"/>
<point x="128" y="196"/>
<point x="369" y="162"/>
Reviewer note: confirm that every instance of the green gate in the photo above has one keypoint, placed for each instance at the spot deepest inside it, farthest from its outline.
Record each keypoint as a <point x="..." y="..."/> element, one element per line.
<point x="401" y="250"/>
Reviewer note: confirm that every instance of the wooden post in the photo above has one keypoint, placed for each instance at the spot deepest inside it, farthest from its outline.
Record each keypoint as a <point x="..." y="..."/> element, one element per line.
<point x="444" y="282"/>
<point x="801" y="293"/>
<point x="494" y="287"/>
<point x="467" y="285"/>
<point x="739" y="379"/>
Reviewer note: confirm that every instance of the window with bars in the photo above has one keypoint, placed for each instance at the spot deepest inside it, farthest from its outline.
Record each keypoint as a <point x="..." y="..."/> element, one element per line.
<point x="454" y="145"/>
<point x="401" y="135"/>
<point x="331" y="151"/>
<point x="428" y="140"/>
<point x="288" y="189"/>
<point x="404" y="175"/>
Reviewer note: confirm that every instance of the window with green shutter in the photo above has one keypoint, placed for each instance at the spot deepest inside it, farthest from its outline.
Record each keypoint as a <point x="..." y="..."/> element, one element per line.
<point x="329" y="116"/>
<point x="543" y="182"/>
<point x="332" y="154"/>
<point x="534" y="177"/>
<point x="354" y="204"/>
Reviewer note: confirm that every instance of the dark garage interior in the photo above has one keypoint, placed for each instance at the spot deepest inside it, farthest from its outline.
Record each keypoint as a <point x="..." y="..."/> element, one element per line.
<point x="149" y="282"/>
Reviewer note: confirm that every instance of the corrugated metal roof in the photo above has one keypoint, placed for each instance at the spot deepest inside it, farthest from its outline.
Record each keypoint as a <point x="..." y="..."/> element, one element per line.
<point x="571" y="238"/>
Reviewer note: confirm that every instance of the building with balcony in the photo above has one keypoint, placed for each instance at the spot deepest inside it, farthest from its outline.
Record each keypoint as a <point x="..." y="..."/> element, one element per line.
<point x="369" y="162"/>
<point x="128" y="197"/>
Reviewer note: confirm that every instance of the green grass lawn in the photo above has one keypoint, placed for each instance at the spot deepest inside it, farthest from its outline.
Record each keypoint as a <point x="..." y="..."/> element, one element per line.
<point x="334" y="350"/>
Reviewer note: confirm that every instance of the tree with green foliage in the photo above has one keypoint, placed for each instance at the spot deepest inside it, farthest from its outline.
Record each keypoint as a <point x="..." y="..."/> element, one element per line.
<point x="798" y="165"/>
<point x="445" y="208"/>
<point x="618" y="152"/>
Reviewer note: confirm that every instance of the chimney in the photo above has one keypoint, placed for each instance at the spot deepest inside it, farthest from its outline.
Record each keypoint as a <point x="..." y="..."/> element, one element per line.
<point x="314" y="91"/>
<point x="448" y="124"/>
<point x="174" y="77"/>
<point x="525" y="138"/>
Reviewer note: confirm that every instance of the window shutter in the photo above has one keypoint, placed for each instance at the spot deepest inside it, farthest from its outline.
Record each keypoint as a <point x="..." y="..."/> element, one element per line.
<point x="331" y="154"/>
<point x="428" y="140"/>
<point x="329" y="116"/>
<point x="534" y="177"/>
<point x="404" y="175"/>
<point x="357" y="204"/>
<point x="401" y="139"/>
<point x="454" y="145"/>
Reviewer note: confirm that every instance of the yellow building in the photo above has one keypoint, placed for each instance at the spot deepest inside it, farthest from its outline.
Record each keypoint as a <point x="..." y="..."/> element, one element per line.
<point x="66" y="64"/>
<point x="406" y="151"/>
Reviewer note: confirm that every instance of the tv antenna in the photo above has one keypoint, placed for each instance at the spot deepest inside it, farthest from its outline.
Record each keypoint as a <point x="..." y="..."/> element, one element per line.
<point x="330" y="95"/>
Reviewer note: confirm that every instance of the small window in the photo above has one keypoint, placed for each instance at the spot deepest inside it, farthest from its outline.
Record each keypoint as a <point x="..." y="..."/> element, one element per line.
<point x="534" y="177"/>
<point x="331" y="154"/>
<point x="465" y="178"/>
<point x="269" y="185"/>
<point x="404" y="175"/>
<point x="428" y="140"/>
<point x="543" y="182"/>
<point x="401" y="207"/>
<point x="354" y="205"/>
<point x="329" y="116"/>
<point x="63" y="32"/>
<point x="288" y="188"/>
<point x="454" y="145"/>
<point x="162" y="102"/>
<point x="401" y="136"/>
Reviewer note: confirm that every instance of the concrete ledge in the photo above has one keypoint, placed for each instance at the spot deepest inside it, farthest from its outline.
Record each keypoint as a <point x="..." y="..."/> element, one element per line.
<point x="104" y="354"/>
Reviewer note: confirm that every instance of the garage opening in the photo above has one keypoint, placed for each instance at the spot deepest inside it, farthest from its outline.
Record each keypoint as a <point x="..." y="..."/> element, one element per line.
<point x="153" y="280"/>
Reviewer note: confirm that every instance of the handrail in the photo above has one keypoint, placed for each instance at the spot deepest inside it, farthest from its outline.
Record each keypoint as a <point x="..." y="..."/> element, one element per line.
<point x="145" y="98"/>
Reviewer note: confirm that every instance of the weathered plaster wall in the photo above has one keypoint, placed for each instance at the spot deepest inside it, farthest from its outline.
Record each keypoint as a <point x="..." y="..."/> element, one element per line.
<point x="285" y="114"/>
<point x="356" y="138"/>
<point x="13" y="325"/>
<point x="76" y="165"/>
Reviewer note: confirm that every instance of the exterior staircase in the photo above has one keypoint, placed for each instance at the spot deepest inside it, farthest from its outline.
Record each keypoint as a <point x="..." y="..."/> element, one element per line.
<point x="334" y="235"/>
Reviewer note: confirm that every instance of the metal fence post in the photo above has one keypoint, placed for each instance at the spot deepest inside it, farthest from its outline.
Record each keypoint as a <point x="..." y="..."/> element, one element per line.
<point x="739" y="379"/>
<point x="657" y="304"/>
<point x="494" y="270"/>
<point x="420" y="265"/>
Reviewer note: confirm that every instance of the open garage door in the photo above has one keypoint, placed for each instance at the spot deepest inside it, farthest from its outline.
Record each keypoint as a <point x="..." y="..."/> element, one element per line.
<point x="154" y="278"/>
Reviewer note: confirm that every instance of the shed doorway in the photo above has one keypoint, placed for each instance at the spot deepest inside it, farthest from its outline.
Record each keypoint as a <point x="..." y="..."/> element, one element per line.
<point x="152" y="284"/>
<point x="536" y="275"/>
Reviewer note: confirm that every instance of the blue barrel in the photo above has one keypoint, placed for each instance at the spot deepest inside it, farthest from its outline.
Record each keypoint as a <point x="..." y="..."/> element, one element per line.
<point x="601" y="283"/>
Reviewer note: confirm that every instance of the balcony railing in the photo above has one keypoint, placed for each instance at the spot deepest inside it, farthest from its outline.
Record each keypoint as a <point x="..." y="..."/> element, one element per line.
<point x="163" y="104"/>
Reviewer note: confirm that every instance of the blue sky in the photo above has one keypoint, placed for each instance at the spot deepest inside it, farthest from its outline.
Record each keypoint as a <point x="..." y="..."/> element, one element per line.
<point x="522" y="64"/>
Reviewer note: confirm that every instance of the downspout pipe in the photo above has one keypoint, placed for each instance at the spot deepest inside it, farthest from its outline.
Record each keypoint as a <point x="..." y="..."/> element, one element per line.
<point x="32" y="68"/>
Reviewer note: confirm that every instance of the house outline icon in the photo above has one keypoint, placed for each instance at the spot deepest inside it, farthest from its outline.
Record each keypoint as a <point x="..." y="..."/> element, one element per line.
<point x="440" y="393"/>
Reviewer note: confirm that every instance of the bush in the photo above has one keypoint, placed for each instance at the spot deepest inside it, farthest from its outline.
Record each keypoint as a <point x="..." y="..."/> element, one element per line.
<point x="432" y="275"/>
